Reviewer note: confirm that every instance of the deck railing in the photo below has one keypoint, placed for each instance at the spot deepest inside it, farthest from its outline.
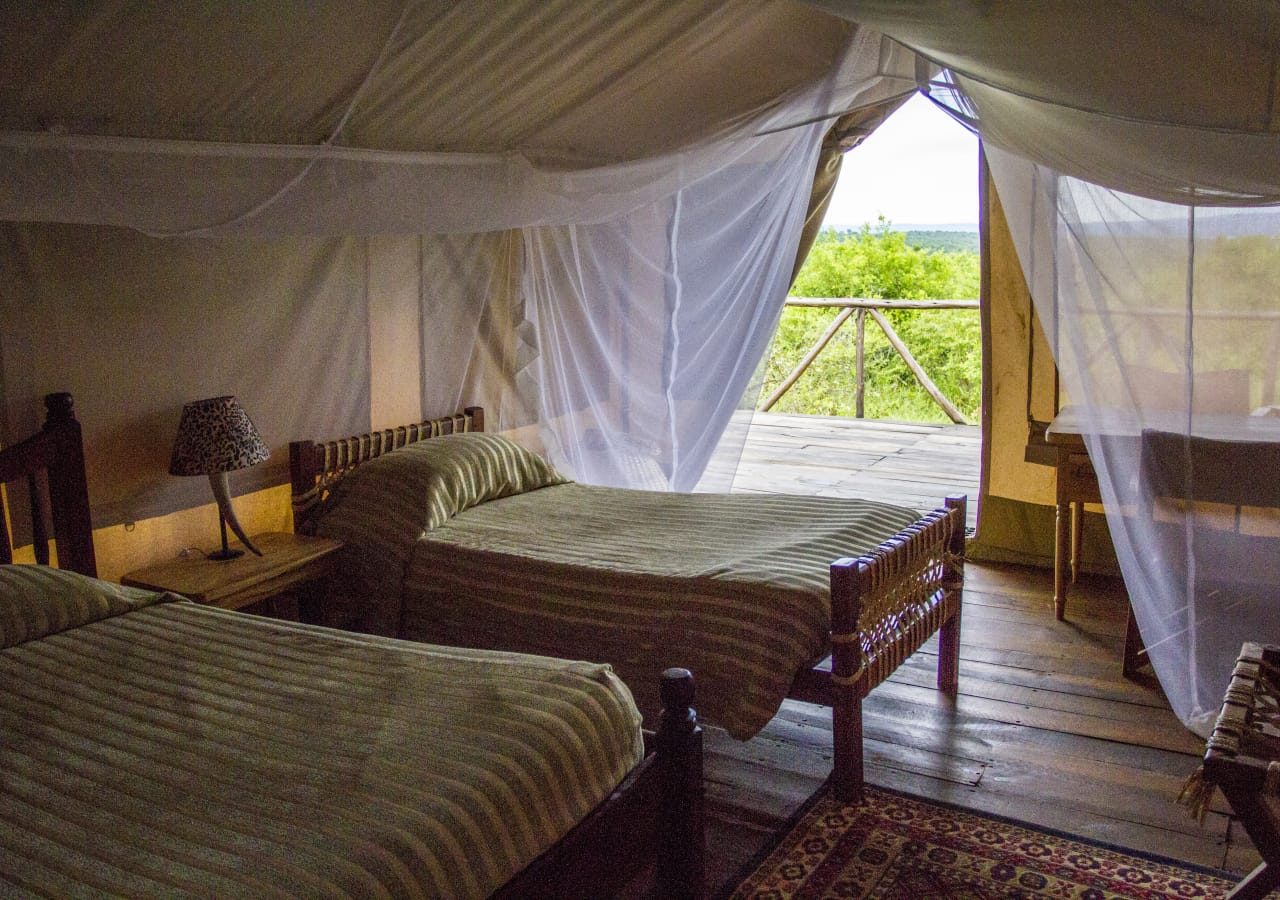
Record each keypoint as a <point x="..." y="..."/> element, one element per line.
<point x="858" y="308"/>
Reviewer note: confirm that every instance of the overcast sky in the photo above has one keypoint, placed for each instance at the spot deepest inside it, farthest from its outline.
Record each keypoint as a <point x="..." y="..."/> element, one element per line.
<point x="919" y="168"/>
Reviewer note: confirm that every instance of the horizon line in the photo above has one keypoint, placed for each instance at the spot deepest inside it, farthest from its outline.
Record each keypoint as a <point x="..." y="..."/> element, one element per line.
<point x="907" y="226"/>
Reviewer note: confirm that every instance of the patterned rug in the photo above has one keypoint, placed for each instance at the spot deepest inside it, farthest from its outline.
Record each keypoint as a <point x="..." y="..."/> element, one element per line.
<point x="893" y="846"/>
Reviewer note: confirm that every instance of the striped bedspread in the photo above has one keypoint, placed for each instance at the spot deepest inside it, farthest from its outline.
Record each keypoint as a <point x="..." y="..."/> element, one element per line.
<point x="165" y="748"/>
<point x="734" y="587"/>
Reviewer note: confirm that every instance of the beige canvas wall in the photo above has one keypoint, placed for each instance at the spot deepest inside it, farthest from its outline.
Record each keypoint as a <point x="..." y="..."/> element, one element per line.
<point x="316" y="336"/>
<point x="1016" y="517"/>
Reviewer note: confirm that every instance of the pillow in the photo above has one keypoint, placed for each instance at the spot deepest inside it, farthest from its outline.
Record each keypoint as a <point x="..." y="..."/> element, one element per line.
<point x="429" y="482"/>
<point x="37" y="601"/>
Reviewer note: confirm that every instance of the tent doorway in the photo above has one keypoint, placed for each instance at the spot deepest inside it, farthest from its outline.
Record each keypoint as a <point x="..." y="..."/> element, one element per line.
<point x="874" y="379"/>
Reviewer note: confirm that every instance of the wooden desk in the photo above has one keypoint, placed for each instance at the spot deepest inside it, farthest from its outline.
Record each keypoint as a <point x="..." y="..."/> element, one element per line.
<point x="289" y="563"/>
<point x="1077" y="483"/>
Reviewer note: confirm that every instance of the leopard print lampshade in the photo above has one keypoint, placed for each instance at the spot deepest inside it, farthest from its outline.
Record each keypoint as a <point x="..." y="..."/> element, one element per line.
<point x="215" y="435"/>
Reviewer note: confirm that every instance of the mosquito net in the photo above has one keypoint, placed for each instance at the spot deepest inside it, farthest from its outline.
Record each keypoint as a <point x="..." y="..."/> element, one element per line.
<point x="1133" y="148"/>
<point x="609" y="196"/>
<point x="1165" y="323"/>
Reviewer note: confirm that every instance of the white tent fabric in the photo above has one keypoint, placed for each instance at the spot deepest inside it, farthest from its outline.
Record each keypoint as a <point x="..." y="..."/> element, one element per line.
<point x="1133" y="147"/>
<point x="656" y="160"/>
<point x="1169" y="99"/>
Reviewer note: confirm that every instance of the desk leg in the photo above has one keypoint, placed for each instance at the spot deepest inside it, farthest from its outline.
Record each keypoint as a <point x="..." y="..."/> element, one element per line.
<point x="1061" y="556"/>
<point x="1077" y="529"/>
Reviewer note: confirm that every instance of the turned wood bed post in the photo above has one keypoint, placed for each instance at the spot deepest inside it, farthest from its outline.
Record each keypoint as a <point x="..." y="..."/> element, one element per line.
<point x="68" y="489"/>
<point x="952" y="583"/>
<point x="848" y="581"/>
<point x="681" y="842"/>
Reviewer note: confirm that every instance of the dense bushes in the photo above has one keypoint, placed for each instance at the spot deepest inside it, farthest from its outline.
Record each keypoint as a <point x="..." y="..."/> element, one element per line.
<point x="881" y="264"/>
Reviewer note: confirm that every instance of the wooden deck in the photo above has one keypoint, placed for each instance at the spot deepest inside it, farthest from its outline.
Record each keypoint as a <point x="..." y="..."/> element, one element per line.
<point x="1044" y="729"/>
<point x="913" y="465"/>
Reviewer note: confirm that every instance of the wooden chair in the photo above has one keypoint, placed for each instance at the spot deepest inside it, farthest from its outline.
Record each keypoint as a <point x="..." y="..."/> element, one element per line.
<point x="1219" y="391"/>
<point x="1242" y="475"/>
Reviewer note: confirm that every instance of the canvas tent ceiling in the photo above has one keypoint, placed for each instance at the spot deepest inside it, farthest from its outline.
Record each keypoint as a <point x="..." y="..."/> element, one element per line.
<point x="1170" y="99"/>
<point x="415" y="117"/>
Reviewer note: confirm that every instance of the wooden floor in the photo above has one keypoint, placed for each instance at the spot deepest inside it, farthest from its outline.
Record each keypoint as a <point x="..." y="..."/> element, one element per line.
<point x="1044" y="729"/>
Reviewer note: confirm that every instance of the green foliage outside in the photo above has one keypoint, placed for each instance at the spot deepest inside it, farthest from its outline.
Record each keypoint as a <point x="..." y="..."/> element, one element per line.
<point x="880" y="263"/>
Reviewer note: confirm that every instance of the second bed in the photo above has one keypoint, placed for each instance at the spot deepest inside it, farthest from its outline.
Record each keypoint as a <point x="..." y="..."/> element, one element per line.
<point x="465" y="538"/>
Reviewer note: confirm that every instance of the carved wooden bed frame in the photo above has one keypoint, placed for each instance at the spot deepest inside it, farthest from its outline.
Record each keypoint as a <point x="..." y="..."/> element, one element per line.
<point x="57" y="453"/>
<point x="884" y="604"/>
<point x="654" y="816"/>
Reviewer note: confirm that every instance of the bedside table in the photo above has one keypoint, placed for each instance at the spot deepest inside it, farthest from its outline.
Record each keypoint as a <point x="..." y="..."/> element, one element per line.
<point x="288" y="570"/>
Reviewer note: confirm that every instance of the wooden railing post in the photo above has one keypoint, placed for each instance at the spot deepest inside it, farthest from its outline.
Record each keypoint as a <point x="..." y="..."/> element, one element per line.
<point x="808" y="358"/>
<point x="917" y="370"/>
<point x="860" y="365"/>
<point x="848" y="306"/>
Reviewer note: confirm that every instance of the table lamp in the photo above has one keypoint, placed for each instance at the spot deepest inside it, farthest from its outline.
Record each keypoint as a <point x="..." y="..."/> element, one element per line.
<point x="215" y="436"/>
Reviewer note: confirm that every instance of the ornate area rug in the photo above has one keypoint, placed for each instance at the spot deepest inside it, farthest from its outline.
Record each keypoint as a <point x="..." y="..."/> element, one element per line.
<point x="893" y="846"/>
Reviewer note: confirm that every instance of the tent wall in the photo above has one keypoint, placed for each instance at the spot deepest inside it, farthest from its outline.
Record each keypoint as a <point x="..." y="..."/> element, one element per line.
<point x="316" y="336"/>
<point x="1016" y="510"/>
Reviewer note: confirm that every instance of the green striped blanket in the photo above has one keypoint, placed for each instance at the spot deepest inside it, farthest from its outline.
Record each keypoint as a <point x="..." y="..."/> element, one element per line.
<point x="170" y="748"/>
<point x="734" y="587"/>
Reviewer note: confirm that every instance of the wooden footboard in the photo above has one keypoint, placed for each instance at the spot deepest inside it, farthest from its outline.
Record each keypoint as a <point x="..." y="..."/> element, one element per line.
<point x="655" y="816"/>
<point x="884" y="605"/>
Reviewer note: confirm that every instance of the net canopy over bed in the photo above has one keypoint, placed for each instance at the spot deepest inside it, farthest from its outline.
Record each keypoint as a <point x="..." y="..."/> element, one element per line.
<point x="1134" y="150"/>
<point x="610" y="195"/>
<point x="608" y="200"/>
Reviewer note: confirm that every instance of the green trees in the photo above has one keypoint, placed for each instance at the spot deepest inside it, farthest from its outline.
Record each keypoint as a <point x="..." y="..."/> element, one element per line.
<point x="880" y="263"/>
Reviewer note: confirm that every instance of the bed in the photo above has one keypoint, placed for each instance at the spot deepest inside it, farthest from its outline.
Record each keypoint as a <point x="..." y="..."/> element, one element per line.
<point x="153" y="746"/>
<point x="465" y="538"/>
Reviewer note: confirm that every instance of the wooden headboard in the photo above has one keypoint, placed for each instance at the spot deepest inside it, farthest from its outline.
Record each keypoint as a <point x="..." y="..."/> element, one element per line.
<point x="316" y="466"/>
<point x="57" y="452"/>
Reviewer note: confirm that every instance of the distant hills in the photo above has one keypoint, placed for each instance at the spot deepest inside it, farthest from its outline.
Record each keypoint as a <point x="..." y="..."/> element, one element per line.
<point x="948" y="238"/>
<point x="945" y="240"/>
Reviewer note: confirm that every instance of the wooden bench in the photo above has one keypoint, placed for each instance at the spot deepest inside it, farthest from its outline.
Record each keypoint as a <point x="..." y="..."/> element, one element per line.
<point x="1242" y="758"/>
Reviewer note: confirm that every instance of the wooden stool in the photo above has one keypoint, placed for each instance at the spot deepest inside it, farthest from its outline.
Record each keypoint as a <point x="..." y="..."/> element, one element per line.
<point x="1242" y="758"/>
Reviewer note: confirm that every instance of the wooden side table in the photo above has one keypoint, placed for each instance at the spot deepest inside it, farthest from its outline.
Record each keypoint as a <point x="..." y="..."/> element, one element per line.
<point x="290" y="567"/>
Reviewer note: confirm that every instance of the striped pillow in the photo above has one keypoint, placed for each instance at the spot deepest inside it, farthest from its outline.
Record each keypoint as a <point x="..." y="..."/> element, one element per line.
<point x="37" y="601"/>
<point x="429" y="482"/>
